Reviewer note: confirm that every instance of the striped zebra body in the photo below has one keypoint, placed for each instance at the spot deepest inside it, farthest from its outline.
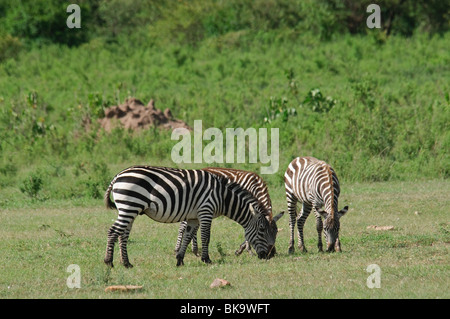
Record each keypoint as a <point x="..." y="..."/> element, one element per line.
<point x="170" y="195"/>
<point x="253" y="183"/>
<point x="313" y="183"/>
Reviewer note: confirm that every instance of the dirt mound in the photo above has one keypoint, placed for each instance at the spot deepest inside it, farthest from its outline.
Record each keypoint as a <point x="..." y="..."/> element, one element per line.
<point x="133" y="114"/>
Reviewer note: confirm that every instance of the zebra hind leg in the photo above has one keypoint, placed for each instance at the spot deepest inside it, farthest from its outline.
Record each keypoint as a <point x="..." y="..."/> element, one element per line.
<point x="113" y="234"/>
<point x="194" y="242"/>
<point x="190" y="227"/>
<point x="120" y="229"/>
<point x="244" y="245"/>
<point x="181" y="231"/>
<point x="241" y="248"/>
<point x="123" y="240"/>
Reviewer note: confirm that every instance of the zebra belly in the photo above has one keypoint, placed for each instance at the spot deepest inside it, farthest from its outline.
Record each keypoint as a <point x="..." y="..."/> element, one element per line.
<point x="168" y="217"/>
<point x="159" y="208"/>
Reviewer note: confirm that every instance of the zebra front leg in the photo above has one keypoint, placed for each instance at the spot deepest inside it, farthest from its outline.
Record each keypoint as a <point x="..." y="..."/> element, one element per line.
<point x="292" y="209"/>
<point x="205" y="233"/>
<point x="191" y="225"/>
<point x="181" y="231"/>
<point x="319" y="227"/>
<point x="306" y="209"/>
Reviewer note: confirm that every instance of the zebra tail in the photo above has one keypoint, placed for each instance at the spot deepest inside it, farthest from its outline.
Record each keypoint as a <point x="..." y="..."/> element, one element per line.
<point x="107" y="199"/>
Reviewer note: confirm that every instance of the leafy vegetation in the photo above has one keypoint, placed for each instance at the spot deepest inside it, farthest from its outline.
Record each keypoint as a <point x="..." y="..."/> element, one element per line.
<point x="373" y="103"/>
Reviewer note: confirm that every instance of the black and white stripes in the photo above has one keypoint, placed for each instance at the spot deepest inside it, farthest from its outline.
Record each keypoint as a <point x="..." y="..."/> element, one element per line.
<point x="251" y="182"/>
<point x="315" y="184"/>
<point x="170" y="195"/>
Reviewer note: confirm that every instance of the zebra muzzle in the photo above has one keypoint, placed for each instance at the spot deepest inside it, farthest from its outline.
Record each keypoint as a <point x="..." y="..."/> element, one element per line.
<point x="262" y="255"/>
<point x="272" y="252"/>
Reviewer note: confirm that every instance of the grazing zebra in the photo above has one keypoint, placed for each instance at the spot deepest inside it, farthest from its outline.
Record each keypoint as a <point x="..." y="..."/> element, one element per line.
<point x="315" y="184"/>
<point x="255" y="185"/>
<point x="170" y="195"/>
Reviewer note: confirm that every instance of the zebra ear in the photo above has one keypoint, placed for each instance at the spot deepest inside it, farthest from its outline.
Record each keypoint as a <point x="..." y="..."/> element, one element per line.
<point x="276" y="218"/>
<point x="343" y="211"/>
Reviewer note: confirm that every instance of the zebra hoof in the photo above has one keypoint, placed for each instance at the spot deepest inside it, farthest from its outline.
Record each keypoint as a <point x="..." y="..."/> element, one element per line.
<point x="180" y="261"/>
<point x="291" y="250"/>
<point x="206" y="260"/>
<point x="128" y="265"/>
<point x="109" y="263"/>
<point x="302" y="249"/>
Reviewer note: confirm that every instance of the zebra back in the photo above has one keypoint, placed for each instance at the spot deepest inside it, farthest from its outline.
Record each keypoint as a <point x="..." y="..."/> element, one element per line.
<point x="177" y="188"/>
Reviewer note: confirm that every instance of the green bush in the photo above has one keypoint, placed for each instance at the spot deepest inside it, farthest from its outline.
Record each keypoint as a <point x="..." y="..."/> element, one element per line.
<point x="32" y="185"/>
<point x="317" y="102"/>
<point x="9" y="46"/>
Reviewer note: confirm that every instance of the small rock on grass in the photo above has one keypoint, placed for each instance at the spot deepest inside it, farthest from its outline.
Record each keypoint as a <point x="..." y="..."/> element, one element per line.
<point x="123" y="288"/>
<point x="219" y="283"/>
<point x="380" y="227"/>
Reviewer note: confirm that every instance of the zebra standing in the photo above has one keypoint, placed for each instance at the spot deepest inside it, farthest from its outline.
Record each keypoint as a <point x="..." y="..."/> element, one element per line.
<point x="255" y="185"/>
<point x="170" y="195"/>
<point x="315" y="184"/>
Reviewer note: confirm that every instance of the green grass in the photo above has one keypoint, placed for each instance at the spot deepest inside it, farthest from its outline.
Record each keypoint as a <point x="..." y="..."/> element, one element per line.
<point x="40" y="241"/>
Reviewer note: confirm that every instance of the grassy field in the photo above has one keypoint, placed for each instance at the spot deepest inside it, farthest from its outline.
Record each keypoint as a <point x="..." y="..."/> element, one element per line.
<point x="40" y="242"/>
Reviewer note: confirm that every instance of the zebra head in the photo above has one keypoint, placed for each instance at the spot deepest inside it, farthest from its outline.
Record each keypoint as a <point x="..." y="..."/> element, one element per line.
<point x="272" y="234"/>
<point x="262" y="232"/>
<point x="331" y="227"/>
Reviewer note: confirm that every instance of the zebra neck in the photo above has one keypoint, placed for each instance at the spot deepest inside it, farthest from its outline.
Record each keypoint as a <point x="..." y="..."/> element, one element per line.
<point x="238" y="210"/>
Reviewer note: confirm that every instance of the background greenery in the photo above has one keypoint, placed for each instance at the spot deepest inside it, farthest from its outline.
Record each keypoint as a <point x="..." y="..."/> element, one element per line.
<point x="373" y="103"/>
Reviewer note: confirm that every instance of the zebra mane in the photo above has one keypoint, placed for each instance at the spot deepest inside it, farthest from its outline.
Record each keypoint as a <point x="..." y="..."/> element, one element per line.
<point x="330" y="179"/>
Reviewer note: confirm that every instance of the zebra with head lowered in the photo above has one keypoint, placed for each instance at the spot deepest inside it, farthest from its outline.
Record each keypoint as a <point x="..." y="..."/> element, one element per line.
<point x="253" y="183"/>
<point x="315" y="184"/>
<point x="170" y="195"/>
